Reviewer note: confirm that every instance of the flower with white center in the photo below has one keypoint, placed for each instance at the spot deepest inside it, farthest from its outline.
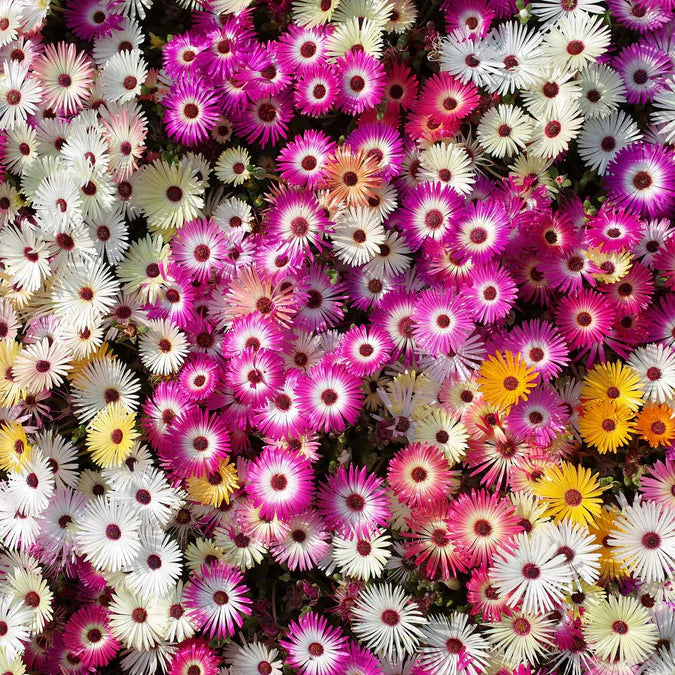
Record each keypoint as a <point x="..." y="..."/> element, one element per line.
<point x="362" y="557"/>
<point x="139" y="624"/>
<point x="655" y="364"/>
<point x="602" y="137"/>
<point x="163" y="347"/>
<point x="505" y="130"/>
<point x="157" y="566"/>
<point x="107" y="534"/>
<point x="643" y="541"/>
<point x="535" y="573"/>
<point x="452" y="647"/>
<point x="620" y="629"/>
<point x="576" y="40"/>
<point x="357" y="236"/>
<point x="387" y="621"/>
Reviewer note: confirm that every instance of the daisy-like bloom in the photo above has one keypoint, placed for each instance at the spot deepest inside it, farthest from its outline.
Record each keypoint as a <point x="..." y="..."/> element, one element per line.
<point x="447" y="163"/>
<point x="533" y="575"/>
<point x="430" y="544"/>
<point x="65" y="76"/>
<point x="297" y="219"/>
<point x="522" y="637"/>
<point x="387" y="621"/>
<point x="620" y="628"/>
<point x="32" y="485"/>
<point x="265" y="120"/>
<point x="602" y="90"/>
<point x="279" y="483"/>
<point x="357" y="235"/>
<point x="643" y="540"/>
<point x="88" y="635"/>
<point x="570" y="493"/>
<point x="15" y="451"/>
<point x="550" y="11"/>
<point x="41" y="365"/>
<point x="602" y="138"/>
<point x="304" y="544"/>
<point x="658" y="485"/>
<point x="352" y="176"/>
<point x="505" y="379"/>
<point x="584" y="319"/>
<point x="429" y="212"/>
<point x="643" y="69"/>
<point x="217" y="599"/>
<point x="26" y="257"/>
<point x="107" y="534"/>
<point x="492" y="293"/>
<point x="451" y="646"/>
<point x="364" y="350"/>
<point x="111" y="435"/>
<point x="614" y="382"/>
<point x="440" y="321"/>
<point x="362" y="557"/>
<point x="576" y="40"/>
<point x="168" y="194"/>
<point x="481" y="231"/>
<point x="539" y="419"/>
<point x="606" y="426"/>
<point x="314" y="647"/>
<point x="196" y="444"/>
<point x="15" y="618"/>
<point x="233" y="166"/>
<point x="303" y="160"/>
<point x="163" y="348"/>
<point x="30" y="589"/>
<point x="419" y="474"/>
<point x="20" y="94"/>
<point x="316" y="90"/>
<point x="139" y="624"/>
<point x="505" y="130"/>
<point x="216" y="488"/>
<point x="253" y="657"/>
<point x="656" y="425"/>
<point x="354" y="502"/>
<point x="194" y="656"/>
<point x="642" y="177"/>
<point x="199" y="247"/>
<point x="480" y="524"/>
<point x="330" y="396"/>
<point x="361" y="81"/>
<point x="553" y="132"/>
<point x="191" y="111"/>
<point x="446" y="99"/>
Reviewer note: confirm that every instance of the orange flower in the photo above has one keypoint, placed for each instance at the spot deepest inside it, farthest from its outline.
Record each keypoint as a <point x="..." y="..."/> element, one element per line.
<point x="352" y="176"/>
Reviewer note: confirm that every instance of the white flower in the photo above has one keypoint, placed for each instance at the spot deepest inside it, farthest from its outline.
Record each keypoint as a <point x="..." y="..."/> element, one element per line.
<point x="362" y="557"/>
<point x="602" y="137"/>
<point x="163" y="348"/>
<point x="534" y="573"/>
<point x="655" y="364"/>
<point x="643" y="541"/>
<point x="357" y="236"/>
<point x="505" y="130"/>
<point x="387" y="621"/>
<point x="123" y="75"/>
<point x="140" y="624"/>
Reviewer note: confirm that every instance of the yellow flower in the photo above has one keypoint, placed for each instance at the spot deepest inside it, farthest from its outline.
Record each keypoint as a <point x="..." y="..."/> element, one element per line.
<point x="613" y="265"/>
<point x="613" y="382"/>
<point x="570" y="492"/>
<point x="10" y="392"/>
<point x="610" y="567"/>
<point x="656" y="425"/>
<point x="215" y="488"/>
<point x="505" y="379"/>
<point x="111" y="435"/>
<point x="582" y="596"/>
<point x="14" y="448"/>
<point x="606" y="426"/>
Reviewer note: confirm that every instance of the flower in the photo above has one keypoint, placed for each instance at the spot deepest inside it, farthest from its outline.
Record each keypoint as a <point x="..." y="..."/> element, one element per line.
<point x="570" y="493"/>
<point x="606" y="426"/>
<point x="217" y="599"/>
<point x="619" y="628"/>
<point x="313" y="647"/>
<point x="505" y="379"/>
<point x="387" y="621"/>
<point x="643" y="540"/>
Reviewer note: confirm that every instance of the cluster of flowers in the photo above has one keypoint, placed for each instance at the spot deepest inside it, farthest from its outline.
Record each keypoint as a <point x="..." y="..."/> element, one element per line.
<point x="337" y="338"/>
